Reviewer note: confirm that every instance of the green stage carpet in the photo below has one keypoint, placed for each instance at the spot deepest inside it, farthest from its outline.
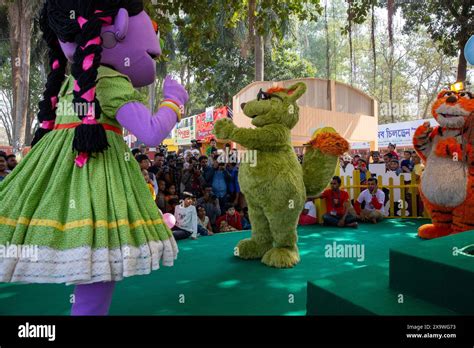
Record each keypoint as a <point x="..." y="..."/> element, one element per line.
<point x="208" y="280"/>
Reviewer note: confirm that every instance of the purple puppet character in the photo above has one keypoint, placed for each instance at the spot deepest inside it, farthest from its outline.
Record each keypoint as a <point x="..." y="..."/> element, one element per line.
<point x="79" y="197"/>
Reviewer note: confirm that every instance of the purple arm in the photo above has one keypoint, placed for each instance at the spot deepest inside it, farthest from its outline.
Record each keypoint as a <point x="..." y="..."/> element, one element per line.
<point x="148" y="128"/>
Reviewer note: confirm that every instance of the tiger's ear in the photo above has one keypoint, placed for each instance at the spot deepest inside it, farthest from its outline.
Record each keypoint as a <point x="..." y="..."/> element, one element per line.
<point x="296" y="91"/>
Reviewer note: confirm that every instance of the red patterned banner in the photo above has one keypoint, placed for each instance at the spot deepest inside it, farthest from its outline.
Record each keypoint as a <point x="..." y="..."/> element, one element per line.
<point x="203" y="128"/>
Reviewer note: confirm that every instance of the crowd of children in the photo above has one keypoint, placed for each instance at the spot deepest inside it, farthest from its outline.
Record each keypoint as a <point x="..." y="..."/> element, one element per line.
<point x="405" y="163"/>
<point x="201" y="191"/>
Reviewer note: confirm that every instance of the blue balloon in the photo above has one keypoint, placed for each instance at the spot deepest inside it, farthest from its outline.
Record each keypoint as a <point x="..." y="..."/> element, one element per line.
<point x="469" y="51"/>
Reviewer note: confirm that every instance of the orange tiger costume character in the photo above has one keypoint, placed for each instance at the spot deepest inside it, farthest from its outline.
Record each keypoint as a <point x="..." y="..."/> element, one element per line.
<point x="447" y="183"/>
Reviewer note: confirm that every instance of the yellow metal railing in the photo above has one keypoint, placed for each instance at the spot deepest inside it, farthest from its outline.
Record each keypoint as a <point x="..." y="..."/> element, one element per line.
<point x="406" y="186"/>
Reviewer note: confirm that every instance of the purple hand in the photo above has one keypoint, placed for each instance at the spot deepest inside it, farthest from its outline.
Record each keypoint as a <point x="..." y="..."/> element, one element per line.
<point x="148" y="128"/>
<point x="173" y="90"/>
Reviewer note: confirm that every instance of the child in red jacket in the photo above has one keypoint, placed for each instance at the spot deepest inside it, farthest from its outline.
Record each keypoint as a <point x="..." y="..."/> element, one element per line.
<point x="231" y="217"/>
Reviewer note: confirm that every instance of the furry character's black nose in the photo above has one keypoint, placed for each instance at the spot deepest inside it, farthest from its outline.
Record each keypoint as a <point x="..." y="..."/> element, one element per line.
<point x="243" y="105"/>
<point x="452" y="99"/>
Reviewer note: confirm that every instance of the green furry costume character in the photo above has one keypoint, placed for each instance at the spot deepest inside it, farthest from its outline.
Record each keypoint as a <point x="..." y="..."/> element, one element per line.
<point x="276" y="188"/>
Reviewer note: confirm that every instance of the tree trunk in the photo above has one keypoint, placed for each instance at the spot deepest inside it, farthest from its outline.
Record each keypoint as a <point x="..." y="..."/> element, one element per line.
<point x="326" y="30"/>
<point x="259" y="58"/>
<point x="6" y="113"/>
<point x="349" y="18"/>
<point x="328" y="66"/>
<point x="252" y="7"/>
<point x="462" y="64"/>
<point x="374" y="55"/>
<point x="20" y="26"/>
<point x="333" y="10"/>
<point x="152" y="94"/>
<point x="30" y="117"/>
<point x="390" y="8"/>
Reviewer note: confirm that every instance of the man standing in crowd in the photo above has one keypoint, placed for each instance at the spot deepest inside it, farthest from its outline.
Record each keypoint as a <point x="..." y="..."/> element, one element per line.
<point x="142" y="148"/>
<point x="337" y="205"/>
<point x="355" y="161"/>
<point x="219" y="178"/>
<point x="374" y="199"/>
<point x="375" y="156"/>
<point x="193" y="180"/>
<point x="194" y="151"/>
<point x="171" y="172"/>
<point x="345" y="160"/>
<point x="158" y="165"/>
<point x="212" y="146"/>
<point x="407" y="164"/>
<point x="211" y="204"/>
<point x="394" y="166"/>
<point x="11" y="162"/>
<point x="387" y="158"/>
<point x="205" y="168"/>
<point x="3" y="167"/>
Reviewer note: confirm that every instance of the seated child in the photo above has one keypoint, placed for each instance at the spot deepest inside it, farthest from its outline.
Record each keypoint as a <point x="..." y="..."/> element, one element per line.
<point x="204" y="225"/>
<point x="186" y="219"/>
<point x="149" y="183"/>
<point x="225" y="227"/>
<point x="231" y="217"/>
<point x="160" y="196"/>
<point x="308" y="215"/>
<point x="171" y="193"/>
<point x="244" y="217"/>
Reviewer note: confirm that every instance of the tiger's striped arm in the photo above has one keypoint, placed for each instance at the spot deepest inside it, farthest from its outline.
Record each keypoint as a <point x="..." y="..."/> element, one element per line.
<point x="422" y="140"/>
<point x="449" y="148"/>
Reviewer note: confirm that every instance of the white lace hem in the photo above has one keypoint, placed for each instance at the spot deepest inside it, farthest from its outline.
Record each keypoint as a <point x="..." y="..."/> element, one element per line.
<point x="85" y="265"/>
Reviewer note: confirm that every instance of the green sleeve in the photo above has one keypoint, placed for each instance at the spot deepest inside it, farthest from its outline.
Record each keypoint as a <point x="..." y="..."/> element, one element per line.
<point x="115" y="91"/>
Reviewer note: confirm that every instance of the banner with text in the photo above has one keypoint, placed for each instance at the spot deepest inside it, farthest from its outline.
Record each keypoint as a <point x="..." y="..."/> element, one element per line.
<point x="205" y="121"/>
<point x="400" y="133"/>
<point x="185" y="131"/>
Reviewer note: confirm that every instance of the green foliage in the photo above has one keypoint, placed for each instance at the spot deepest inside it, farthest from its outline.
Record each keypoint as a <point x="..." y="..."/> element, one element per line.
<point x="208" y="47"/>
<point x="284" y="63"/>
<point x="357" y="12"/>
<point x="449" y="23"/>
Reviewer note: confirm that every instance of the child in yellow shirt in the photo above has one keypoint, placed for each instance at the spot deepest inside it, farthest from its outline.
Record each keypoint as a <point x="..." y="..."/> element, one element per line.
<point x="149" y="183"/>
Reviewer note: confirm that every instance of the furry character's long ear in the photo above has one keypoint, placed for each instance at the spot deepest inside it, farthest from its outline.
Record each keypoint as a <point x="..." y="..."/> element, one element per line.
<point x="296" y="91"/>
<point x="121" y="24"/>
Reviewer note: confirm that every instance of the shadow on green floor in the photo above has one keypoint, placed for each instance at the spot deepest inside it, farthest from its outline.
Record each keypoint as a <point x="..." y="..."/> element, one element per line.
<point x="208" y="280"/>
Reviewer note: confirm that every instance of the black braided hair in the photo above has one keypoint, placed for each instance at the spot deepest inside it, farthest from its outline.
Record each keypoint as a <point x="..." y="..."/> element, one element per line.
<point x="80" y="21"/>
<point x="58" y="64"/>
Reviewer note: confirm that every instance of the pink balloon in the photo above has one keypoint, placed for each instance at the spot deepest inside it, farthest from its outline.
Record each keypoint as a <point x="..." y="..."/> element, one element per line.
<point x="169" y="220"/>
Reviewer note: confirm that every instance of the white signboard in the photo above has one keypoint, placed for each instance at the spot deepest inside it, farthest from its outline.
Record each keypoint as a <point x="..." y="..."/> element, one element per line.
<point x="185" y="131"/>
<point x="209" y="114"/>
<point x="360" y="145"/>
<point x="400" y="133"/>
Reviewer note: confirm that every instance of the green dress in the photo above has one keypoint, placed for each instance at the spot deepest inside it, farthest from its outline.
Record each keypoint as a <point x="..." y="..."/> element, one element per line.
<point x="63" y="224"/>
